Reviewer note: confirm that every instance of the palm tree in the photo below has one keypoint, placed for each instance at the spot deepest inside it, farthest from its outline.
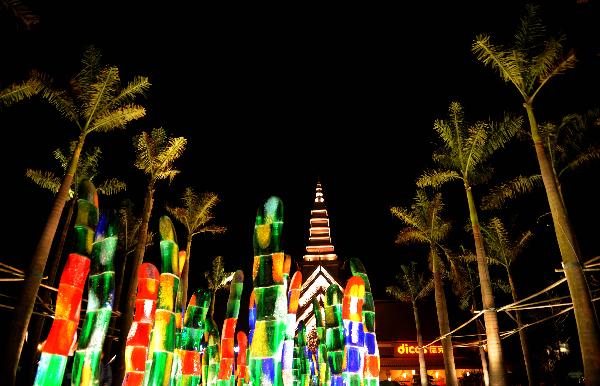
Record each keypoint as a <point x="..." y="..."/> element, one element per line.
<point x="568" y="146"/>
<point x="424" y="225"/>
<point x="465" y="284"/>
<point x="195" y="215"/>
<point x="503" y="250"/>
<point x="529" y="64"/>
<point x="466" y="148"/>
<point x="94" y="102"/>
<point x="155" y="155"/>
<point x="87" y="168"/>
<point x="216" y="279"/>
<point x="413" y="286"/>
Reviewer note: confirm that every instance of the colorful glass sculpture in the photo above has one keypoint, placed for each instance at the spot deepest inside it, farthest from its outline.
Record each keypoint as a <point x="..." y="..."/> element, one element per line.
<point x="101" y="289"/>
<point x="211" y="356"/>
<point x="138" y="338"/>
<point x="228" y="333"/>
<point x="372" y="361"/>
<point x="190" y="341"/>
<point x="354" y="332"/>
<point x="322" y="364"/>
<point x="269" y="291"/>
<point x="61" y="338"/>
<point x="241" y="371"/>
<point x="301" y="363"/>
<point x="162" y="340"/>
<point x="334" y="333"/>
<point x="288" y="344"/>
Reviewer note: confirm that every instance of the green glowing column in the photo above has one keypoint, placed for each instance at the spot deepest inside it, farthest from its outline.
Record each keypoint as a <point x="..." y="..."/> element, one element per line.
<point x="270" y="296"/>
<point x="190" y="341"/>
<point x="322" y="364"/>
<point x="334" y="333"/>
<point x="288" y="344"/>
<point x="162" y="341"/>
<point x="86" y="363"/>
<point x="210" y="357"/>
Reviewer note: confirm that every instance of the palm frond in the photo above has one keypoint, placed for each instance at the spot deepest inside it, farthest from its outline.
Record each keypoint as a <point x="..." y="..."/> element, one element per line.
<point x="88" y="162"/>
<point x="111" y="186"/>
<point x="145" y="149"/>
<point x="63" y="159"/>
<point x="97" y="97"/>
<point x="543" y="62"/>
<point x="585" y="157"/>
<point x="215" y="229"/>
<point x="181" y="215"/>
<point x="90" y="68"/>
<point x="138" y="86"/>
<point x="171" y="153"/>
<point x="510" y="190"/>
<point x="405" y="216"/>
<point x="410" y="235"/>
<point x="445" y="160"/>
<point x="501" y="285"/>
<point x="522" y="242"/>
<point x="446" y="133"/>
<point x="436" y="178"/>
<point x="500" y="133"/>
<point x="169" y="174"/>
<point x="61" y="101"/>
<point x="20" y="91"/>
<point x="504" y="62"/>
<point x="531" y="30"/>
<point x="46" y="180"/>
<point x="426" y="289"/>
<point x="116" y="119"/>
<point x="474" y="146"/>
<point x="397" y="293"/>
<point x="558" y="68"/>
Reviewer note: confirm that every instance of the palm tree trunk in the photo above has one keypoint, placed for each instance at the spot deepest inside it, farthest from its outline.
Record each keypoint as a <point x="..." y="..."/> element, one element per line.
<point x="37" y="325"/>
<point x="484" y="365"/>
<point x="185" y="273"/>
<point x="585" y="316"/>
<point x="33" y="279"/>
<point x="443" y="321"/>
<point x="422" y="365"/>
<point x="490" y="316"/>
<point x="212" y="305"/>
<point x="522" y="334"/>
<point x="136" y="261"/>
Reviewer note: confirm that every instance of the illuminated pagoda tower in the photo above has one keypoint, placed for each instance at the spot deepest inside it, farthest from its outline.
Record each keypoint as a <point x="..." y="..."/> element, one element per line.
<point x="320" y="265"/>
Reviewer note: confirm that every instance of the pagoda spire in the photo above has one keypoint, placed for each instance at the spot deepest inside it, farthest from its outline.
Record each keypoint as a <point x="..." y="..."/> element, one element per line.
<point x="320" y="266"/>
<point x="319" y="245"/>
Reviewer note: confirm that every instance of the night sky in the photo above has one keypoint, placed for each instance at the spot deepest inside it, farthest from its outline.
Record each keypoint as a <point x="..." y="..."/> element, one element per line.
<point x="271" y="99"/>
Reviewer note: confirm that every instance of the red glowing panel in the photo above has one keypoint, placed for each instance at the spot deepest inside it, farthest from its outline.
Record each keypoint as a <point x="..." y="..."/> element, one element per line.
<point x="75" y="271"/>
<point x="68" y="302"/>
<point x="191" y="362"/>
<point x="60" y="337"/>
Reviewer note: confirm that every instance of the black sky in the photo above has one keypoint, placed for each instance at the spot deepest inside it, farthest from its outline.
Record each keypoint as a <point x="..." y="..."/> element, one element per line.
<point x="271" y="98"/>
